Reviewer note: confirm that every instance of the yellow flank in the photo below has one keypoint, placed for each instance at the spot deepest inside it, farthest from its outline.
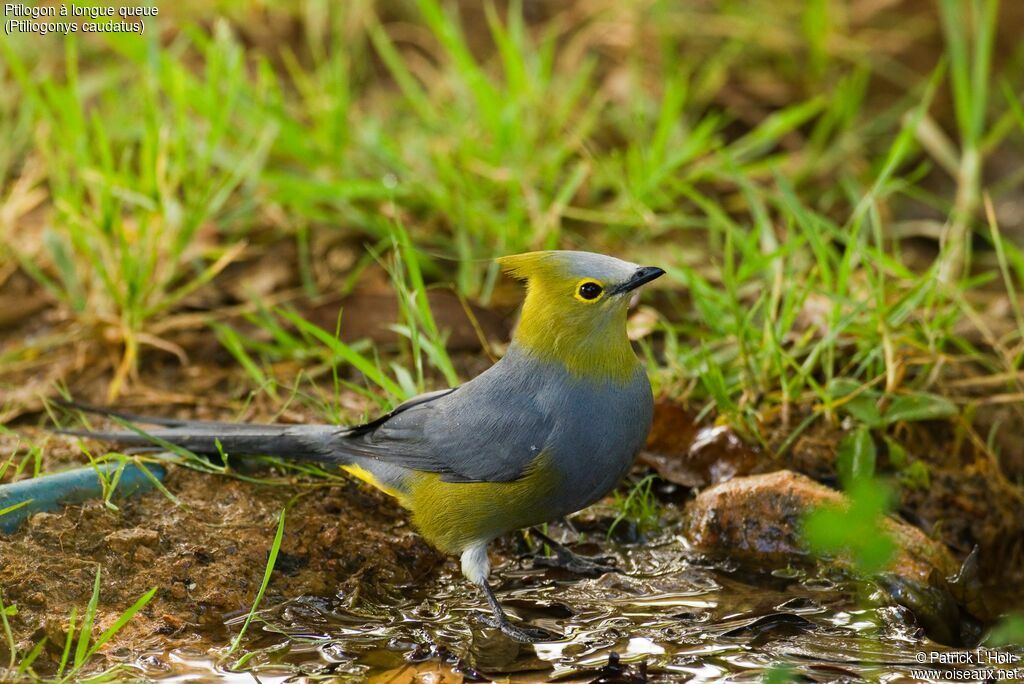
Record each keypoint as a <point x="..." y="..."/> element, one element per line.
<point x="453" y="515"/>
<point x="558" y="326"/>
<point x="367" y="477"/>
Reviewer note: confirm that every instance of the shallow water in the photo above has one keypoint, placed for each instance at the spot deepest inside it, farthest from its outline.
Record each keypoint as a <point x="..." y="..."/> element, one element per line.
<point x="683" y="617"/>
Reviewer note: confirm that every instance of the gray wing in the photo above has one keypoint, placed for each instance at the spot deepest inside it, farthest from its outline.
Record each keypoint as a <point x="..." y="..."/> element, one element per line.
<point x="488" y="430"/>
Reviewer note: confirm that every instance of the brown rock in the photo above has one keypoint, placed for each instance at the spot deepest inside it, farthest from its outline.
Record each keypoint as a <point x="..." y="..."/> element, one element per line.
<point x="758" y="518"/>
<point x="127" y="540"/>
<point x="144" y="555"/>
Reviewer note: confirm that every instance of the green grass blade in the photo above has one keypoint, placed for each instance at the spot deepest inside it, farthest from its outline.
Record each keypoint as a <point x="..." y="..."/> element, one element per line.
<point x="268" y="571"/>
<point x="68" y="641"/>
<point x="85" y="634"/>
<point x="121" y="621"/>
<point x="347" y="354"/>
<point x="25" y="666"/>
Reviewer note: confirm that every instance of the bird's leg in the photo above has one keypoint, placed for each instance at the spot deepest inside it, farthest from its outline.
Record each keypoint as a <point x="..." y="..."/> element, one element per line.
<point x="499" y="620"/>
<point x="476" y="567"/>
<point x="574" y="563"/>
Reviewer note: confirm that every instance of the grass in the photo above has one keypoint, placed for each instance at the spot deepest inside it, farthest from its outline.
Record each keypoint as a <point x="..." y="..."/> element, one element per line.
<point x="275" y="547"/>
<point x="639" y="505"/>
<point x="823" y="185"/>
<point x="524" y="149"/>
<point x="80" y="647"/>
<point x="287" y="336"/>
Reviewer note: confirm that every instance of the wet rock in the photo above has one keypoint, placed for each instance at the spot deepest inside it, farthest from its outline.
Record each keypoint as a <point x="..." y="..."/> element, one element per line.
<point x="932" y="606"/>
<point x="290" y="564"/>
<point x="687" y="454"/>
<point x="970" y="589"/>
<point x="898" y="622"/>
<point x="758" y="518"/>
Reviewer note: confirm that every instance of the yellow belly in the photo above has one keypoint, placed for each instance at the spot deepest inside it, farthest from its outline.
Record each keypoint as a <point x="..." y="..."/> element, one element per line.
<point x="454" y="515"/>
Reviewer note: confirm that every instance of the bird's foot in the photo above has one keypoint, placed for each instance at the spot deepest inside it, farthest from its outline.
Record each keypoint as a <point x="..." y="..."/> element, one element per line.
<point x="585" y="566"/>
<point x="524" y="635"/>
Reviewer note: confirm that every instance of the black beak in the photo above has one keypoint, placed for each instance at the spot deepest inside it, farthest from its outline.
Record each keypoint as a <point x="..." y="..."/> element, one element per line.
<point x="642" y="276"/>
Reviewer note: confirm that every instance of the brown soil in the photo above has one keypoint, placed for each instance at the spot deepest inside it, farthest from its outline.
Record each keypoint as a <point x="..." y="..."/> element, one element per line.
<point x="207" y="558"/>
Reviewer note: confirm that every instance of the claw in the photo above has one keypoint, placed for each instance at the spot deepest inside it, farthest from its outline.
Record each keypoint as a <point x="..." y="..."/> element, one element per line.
<point x="524" y="635"/>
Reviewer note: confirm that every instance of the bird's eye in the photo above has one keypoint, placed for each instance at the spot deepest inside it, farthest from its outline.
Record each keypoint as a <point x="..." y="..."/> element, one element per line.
<point x="588" y="290"/>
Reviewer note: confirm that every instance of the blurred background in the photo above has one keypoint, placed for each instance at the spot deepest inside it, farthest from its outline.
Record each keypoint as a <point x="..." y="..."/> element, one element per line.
<point x="288" y="210"/>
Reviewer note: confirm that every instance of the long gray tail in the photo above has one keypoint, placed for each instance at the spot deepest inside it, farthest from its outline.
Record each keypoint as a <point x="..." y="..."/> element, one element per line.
<point x="299" y="442"/>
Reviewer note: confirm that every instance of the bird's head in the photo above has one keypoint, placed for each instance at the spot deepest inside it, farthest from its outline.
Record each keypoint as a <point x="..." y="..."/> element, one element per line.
<point x="575" y="309"/>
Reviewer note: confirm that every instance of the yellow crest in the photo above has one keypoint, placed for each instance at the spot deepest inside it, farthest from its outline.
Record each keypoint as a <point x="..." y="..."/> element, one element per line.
<point x="527" y="265"/>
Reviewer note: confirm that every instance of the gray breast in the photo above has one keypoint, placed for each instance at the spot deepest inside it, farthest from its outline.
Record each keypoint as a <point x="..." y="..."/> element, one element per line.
<point x="493" y="429"/>
<point x="600" y="426"/>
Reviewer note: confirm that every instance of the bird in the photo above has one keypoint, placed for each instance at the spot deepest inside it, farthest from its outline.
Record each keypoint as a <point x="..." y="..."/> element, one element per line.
<point x="549" y="429"/>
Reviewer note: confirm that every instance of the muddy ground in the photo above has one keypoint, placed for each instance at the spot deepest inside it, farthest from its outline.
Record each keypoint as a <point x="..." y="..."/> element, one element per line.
<point x="207" y="558"/>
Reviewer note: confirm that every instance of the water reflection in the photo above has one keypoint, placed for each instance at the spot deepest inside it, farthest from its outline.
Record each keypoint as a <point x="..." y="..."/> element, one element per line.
<point x="681" y="616"/>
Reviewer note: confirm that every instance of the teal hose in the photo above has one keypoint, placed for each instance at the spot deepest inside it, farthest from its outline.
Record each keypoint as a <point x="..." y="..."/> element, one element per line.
<point x="50" y="492"/>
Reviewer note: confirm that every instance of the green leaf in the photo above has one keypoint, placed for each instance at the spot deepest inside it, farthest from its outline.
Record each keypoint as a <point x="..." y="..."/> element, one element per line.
<point x="863" y="407"/>
<point x="347" y="354"/>
<point x="26" y="664"/>
<point x="854" y="530"/>
<point x="12" y="648"/>
<point x="121" y="621"/>
<point x="275" y="547"/>
<point x="823" y="530"/>
<point x="856" y="458"/>
<point x="919" y="406"/>
<point x="778" y="674"/>
<point x="1009" y="630"/>
<point x="85" y="635"/>
<point x="916" y="475"/>
<point x="14" y="507"/>
<point x="65" y="264"/>
<point x="842" y="387"/>
<point x="68" y="641"/>
<point x="873" y="553"/>
<point x="897" y="454"/>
